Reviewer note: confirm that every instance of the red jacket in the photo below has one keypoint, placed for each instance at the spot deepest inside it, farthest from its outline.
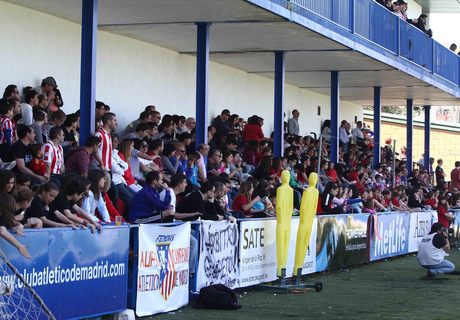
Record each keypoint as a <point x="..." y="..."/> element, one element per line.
<point x="253" y="132"/>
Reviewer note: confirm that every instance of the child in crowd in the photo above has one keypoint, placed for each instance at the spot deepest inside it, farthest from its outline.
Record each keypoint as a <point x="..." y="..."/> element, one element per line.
<point x="37" y="165"/>
<point x="191" y="173"/>
<point x="7" y="129"/>
<point x="8" y="221"/>
<point x="444" y="216"/>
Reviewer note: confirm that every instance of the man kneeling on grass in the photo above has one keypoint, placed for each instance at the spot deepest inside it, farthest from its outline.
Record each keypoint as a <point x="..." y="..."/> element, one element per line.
<point x="432" y="250"/>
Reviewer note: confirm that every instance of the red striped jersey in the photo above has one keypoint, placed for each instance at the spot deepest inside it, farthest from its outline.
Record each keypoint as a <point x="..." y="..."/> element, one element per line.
<point x="53" y="156"/>
<point x="105" y="150"/>
<point x="6" y="130"/>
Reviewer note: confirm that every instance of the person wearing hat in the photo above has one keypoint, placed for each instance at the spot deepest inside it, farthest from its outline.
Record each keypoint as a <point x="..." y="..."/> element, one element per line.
<point x="49" y="89"/>
<point x="432" y="249"/>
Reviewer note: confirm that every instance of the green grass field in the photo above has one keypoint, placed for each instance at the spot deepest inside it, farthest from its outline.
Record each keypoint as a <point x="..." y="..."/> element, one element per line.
<point x="391" y="289"/>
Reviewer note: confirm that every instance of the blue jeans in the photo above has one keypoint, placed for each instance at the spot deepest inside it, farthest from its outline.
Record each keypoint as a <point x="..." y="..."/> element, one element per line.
<point x="193" y="259"/>
<point x="444" y="266"/>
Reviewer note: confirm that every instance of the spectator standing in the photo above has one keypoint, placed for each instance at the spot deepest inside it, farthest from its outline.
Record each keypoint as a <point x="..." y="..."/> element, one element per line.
<point x="440" y="175"/>
<point x="109" y="124"/>
<point x="253" y="130"/>
<point x="40" y="118"/>
<point x="221" y="125"/>
<point x="293" y="123"/>
<point x="49" y="89"/>
<point x="343" y="136"/>
<point x="31" y="100"/>
<point x="455" y="176"/>
<point x="11" y="92"/>
<point x="53" y="156"/>
<point x="357" y="133"/>
<point x="7" y="129"/>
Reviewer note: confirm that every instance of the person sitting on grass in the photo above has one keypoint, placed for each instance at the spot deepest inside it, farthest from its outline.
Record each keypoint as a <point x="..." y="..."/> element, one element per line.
<point x="432" y="249"/>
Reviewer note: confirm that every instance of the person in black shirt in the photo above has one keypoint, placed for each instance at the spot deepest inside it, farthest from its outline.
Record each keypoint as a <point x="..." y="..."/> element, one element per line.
<point x="21" y="152"/>
<point x="42" y="209"/>
<point x="200" y="201"/>
<point x="65" y="205"/>
<point x="222" y="129"/>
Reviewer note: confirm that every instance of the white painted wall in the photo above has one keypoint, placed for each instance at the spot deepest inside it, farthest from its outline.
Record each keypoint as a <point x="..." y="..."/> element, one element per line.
<point x="413" y="9"/>
<point x="445" y="26"/>
<point x="132" y="74"/>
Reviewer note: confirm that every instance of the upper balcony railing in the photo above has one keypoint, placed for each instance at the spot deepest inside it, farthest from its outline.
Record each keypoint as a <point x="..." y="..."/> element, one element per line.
<point x="375" y="23"/>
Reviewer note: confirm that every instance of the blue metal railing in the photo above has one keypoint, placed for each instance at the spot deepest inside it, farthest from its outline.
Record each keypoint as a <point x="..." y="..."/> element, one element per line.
<point x="416" y="46"/>
<point x="373" y="22"/>
<point x="445" y="63"/>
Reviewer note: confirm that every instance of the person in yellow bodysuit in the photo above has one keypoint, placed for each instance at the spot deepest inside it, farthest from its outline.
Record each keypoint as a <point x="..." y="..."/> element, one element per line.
<point x="284" y="207"/>
<point x="308" y="209"/>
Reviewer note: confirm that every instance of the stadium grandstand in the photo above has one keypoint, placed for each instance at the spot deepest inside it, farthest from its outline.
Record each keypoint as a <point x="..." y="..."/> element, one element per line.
<point x="142" y="144"/>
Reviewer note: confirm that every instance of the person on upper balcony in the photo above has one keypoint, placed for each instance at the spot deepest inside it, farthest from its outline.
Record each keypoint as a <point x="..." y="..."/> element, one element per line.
<point x="420" y="23"/>
<point x="404" y="6"/>
<point x="397" y="10"/>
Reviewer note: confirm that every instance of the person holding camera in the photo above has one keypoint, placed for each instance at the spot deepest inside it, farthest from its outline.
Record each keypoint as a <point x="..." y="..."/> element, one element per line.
<point x="432" y="249"/>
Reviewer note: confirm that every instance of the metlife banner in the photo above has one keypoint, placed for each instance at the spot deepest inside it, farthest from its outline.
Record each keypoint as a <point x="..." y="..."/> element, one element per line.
<point x="163" y="268"/>
<point x="218" y="260"/>
<point x="420" y="226"/>
<point x="75" y="272"/>
<point x="258" y="251"/>
<point x="391" y="237"/>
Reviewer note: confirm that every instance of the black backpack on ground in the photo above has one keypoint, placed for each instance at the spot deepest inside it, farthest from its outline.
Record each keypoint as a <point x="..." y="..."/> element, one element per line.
<point x="216" y="296"/>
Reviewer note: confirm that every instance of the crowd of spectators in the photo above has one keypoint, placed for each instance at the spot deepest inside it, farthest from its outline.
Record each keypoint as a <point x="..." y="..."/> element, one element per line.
<point x="153" y="171"/>
<point x="399" y="8"/>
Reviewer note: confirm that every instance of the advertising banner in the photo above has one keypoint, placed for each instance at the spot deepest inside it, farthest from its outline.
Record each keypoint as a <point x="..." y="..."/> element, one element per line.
<point x="218" y="254"/>
<point x="390" y="237"/>
<point x="75" y="272"/>
<point x="258" y="251"/>
<point x="342" y="240"/>
<point x="420" y="226"/>
<point x="163" y="268"/>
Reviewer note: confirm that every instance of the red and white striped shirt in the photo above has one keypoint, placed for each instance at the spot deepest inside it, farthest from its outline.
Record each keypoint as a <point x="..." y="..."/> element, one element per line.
<point x="6" y="128"/>
<point x="53" y="156"/>
<point x="105" y="150"/>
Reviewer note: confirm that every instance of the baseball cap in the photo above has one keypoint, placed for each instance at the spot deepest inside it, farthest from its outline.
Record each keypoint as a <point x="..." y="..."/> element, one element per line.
<point x="50" y="81"/>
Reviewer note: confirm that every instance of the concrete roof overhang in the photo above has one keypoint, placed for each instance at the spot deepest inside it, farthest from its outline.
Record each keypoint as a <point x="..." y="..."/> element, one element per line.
<point x="439" y="6"/>
<point x="244" y="36"/>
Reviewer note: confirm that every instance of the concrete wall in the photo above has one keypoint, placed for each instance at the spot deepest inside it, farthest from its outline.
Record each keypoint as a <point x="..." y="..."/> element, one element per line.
<point x="132" y="74"/>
